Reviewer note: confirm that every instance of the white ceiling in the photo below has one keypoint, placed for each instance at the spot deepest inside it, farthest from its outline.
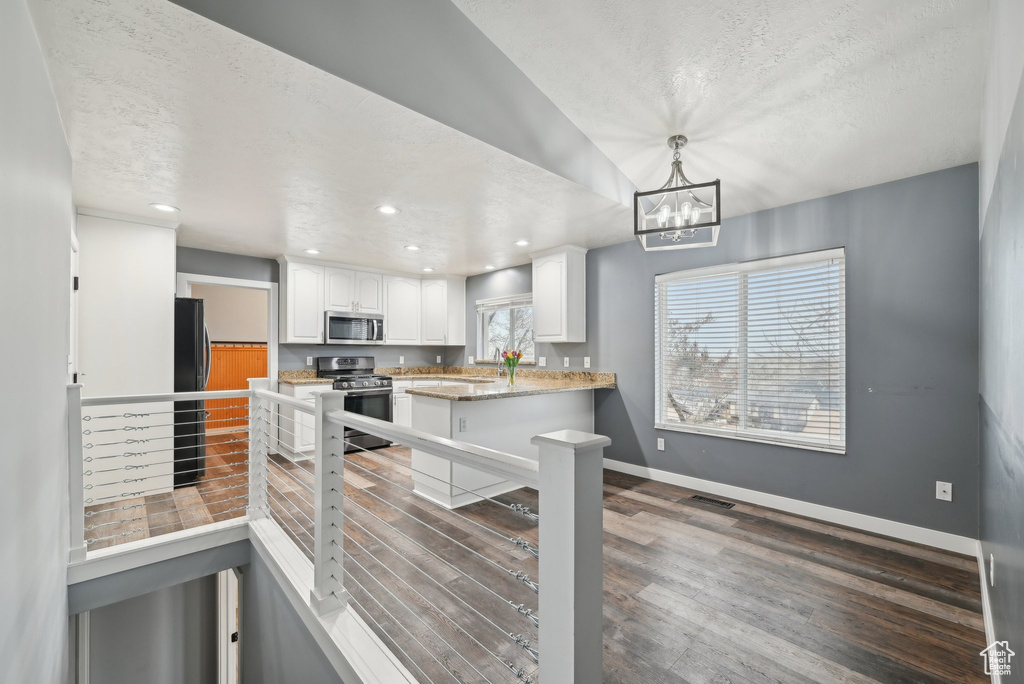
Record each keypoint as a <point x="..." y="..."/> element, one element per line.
<point x="267" y="155"/>
<point x="784" y="100"/>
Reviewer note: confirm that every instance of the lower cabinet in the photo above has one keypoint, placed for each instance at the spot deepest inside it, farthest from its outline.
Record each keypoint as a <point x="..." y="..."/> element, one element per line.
<point x="296" y="430"/>
<point x="402" y="409"/>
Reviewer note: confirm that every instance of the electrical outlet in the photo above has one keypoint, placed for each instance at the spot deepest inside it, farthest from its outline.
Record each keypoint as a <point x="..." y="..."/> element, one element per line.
<point x="992" y="569"/>
<point x="309" y="360"/>
<point x="439" y="359"/>
<point x="565" y="362"/>
<point x="463" y="425"/>
<point x="542" y="361"/>
<point x="661" y="444"/>
<point x="401" y="360"/>
<point x="586" y="362"/>
<point x="471" y="361"/>
<point x="944" y="491"/>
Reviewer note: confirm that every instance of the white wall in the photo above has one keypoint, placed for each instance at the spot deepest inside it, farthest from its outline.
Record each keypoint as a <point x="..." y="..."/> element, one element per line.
<point x="36" y="223"/>
<point x="234" y="314"/>
<point x="126" y="315"/>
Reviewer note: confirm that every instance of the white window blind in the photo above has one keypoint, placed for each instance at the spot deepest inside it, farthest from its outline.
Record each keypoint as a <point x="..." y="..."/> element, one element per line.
<point x="755" y="351"/>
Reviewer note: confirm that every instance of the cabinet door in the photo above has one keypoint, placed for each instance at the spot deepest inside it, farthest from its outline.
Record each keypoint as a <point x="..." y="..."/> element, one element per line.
<point x="401" y="310"/>
<point x="340" y="290"/>
<point x="369" y="292"/>
<point x="549" y="298"/>
<point x="305" y="306"/>
<point x="435" y="311"/>
<point x="402" y="410"/>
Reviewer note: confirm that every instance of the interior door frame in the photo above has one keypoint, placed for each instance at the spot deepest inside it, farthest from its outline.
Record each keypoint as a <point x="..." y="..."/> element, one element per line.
<point x="185" y="281"/>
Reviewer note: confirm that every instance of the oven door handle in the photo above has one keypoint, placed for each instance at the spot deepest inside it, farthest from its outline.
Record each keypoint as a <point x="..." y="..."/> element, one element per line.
<point x="359" y="392"/>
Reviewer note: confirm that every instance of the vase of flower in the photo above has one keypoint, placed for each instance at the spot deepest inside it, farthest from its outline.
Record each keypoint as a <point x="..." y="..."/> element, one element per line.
<point x="511" y="359"/>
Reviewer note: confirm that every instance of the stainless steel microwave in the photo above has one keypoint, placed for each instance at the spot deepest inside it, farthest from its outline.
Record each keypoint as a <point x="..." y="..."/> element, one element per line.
<point x="350" y="327"/>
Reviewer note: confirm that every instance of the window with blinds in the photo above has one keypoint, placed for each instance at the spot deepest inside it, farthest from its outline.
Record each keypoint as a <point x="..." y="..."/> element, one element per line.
<point x="755" y="351"/>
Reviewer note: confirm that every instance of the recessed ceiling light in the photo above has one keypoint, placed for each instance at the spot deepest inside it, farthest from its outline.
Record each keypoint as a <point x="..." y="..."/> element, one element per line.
<point x="489" y="268"/>
<point x="312" y="251"/>
<point x="428" y="269"/>
<point x="163" y="207"/>
<point x="521" y="243"/>
<point x="412" y="248"/>
<point x="387" y="209"/>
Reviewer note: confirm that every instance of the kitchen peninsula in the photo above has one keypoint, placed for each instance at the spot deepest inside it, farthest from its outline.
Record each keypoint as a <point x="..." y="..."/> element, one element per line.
<point x="484" y="410"/>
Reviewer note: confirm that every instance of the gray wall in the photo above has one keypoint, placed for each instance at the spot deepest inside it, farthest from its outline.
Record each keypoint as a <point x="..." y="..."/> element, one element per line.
<point x="168" y="636"/>
<point x="1002" y="341"/>
<point x="36" y="223"/>
<point x="912" y="350"/>
<point x="293" y="356"/>
<point x="276" y="646"/>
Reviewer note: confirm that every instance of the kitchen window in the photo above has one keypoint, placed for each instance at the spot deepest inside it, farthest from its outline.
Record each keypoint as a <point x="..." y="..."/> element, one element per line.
<point x="505" y="323"/>
<point x="755" y="351"/>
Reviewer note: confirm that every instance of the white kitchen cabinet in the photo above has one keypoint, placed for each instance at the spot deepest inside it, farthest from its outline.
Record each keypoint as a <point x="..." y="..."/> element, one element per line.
<point x="443" y="311"/>
<point x="302" y="298"/>
<point x="297" y="429"/>
<point x="402" y="409"/>
<point x="349" y="290"/>
<point x="560" y="295"/>
<point x="401" y="310"/>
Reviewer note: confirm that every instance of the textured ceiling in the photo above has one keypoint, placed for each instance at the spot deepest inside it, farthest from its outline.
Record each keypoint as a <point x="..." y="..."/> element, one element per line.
<point x="784" y="100"/>
<point x="267" y="155"/>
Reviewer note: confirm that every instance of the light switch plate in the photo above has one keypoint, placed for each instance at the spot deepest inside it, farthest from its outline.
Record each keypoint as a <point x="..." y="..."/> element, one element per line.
<point x="944" y="491"/>
<point x="309" y="360"/>
<point x="992" y="569"/>
<point x="586" y="362"/>
<point x="565" y="362"/>
<point x="463" y="426"/>
<point x="401" y="360"/>
<point x="661" y="444"/>
<point x="471" y="361"/>
<point x="439" y="359"/>
<point x="542" y="361"/>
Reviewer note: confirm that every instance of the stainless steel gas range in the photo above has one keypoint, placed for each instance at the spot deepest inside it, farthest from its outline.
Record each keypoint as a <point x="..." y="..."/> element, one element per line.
<point x="369" y="394"/>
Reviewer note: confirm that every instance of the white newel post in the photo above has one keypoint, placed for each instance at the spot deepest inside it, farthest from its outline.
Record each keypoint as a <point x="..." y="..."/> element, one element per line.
<point x="259" y="441"/>
<point x="328" y="593"/>
<point x="76" y="476"/>
<point x="571" y="540"/>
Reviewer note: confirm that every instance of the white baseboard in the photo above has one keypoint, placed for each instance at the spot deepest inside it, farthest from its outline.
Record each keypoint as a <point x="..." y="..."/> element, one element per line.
<point x="986" y="606"/>
<point x="867" y="523"/>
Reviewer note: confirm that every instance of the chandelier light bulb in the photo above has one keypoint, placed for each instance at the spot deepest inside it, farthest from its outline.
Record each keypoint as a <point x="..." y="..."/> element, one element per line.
<point x="663" y="216"/>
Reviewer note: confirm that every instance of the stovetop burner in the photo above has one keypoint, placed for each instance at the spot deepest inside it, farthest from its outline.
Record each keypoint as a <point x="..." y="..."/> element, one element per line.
<point x="351" y="372"/>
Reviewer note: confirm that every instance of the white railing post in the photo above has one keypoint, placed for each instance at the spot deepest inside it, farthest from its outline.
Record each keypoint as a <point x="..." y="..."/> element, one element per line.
<point x="571" y="540"/>
<point x="259" y="422"/>
<point x="328" y="593"/>
<point x="76" y="476"/>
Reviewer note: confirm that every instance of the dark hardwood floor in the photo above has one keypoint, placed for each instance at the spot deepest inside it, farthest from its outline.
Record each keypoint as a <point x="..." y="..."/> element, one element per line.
<point x="693" y="593"/>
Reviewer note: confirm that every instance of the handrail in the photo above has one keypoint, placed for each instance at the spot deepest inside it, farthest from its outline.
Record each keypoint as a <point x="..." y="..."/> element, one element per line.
<point x="165" y="396"/>
<point x="491" y="461"/>
<point x="285" y="400"/>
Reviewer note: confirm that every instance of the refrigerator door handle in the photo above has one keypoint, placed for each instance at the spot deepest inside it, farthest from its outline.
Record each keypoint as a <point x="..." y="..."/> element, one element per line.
<point x="208" y="363"/>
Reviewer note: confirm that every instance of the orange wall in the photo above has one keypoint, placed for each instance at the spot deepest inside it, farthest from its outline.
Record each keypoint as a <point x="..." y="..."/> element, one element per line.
<point x="232" y="368"/>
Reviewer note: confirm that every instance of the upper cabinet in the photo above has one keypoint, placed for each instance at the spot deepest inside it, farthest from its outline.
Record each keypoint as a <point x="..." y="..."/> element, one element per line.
<point x="443" y="311"/>
<point x="560" y="295"/>
<point x="348" y="290"/>
<point x="401" y="310"/>
<point x="427" y="311"/>
<point x="302" y="292"/>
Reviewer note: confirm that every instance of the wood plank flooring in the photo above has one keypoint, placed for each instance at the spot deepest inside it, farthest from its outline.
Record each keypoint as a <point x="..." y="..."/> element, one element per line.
<point x="693" y="593"/>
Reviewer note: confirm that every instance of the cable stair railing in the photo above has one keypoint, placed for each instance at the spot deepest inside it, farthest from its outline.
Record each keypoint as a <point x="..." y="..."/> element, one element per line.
<point x="505" y="589"/>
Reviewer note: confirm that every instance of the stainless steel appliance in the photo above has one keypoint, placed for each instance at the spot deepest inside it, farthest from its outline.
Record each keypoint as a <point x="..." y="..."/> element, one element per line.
<point x="350" y="327"/>
<point x="369" y="394"/>
<point x="191" y="374"/>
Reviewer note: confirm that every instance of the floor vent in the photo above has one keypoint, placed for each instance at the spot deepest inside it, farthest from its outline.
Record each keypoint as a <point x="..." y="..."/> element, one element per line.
<point x="713" y="502"/>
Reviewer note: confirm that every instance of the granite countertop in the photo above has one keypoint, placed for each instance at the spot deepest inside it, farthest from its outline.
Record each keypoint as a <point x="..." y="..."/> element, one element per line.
<point x="475" y="383"/>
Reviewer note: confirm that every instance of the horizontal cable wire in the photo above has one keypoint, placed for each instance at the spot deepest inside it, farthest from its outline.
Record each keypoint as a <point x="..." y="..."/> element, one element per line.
<point x="289" y="474"/>
<point x="157" y="463"/>
<point x="402" y="556"/>
<point x="295" y="535"/>
<point x="176" y="510"/>
<point x="130" y="428"/>
<point x="146" y="440"/>
<point x="132" y="480"/>
<point x="293" y="504"/>
<point x="500" y="535"/>
<point x="128" y="507"/>
<point x="135" y="454"/>
<point x="128" y="414"/>
<point x="137" y="530"/>
<point x="132" y="495"/>
<point x="517" y="508"/>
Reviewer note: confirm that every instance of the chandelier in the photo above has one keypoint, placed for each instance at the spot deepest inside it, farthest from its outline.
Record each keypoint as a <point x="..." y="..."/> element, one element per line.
<point x="679" y="214"/>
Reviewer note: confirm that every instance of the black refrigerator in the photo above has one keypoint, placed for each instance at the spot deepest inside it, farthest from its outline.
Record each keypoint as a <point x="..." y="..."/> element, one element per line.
<point x="191" y="374"/>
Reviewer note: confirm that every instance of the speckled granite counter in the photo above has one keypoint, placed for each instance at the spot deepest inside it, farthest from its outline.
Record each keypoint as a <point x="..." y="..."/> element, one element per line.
<point x="301" y="377"/>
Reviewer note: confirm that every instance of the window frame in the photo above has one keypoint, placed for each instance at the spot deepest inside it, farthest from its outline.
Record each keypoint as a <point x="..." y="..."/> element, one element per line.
<point x="747" y="434"/>
<point x="484" y="306"/>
